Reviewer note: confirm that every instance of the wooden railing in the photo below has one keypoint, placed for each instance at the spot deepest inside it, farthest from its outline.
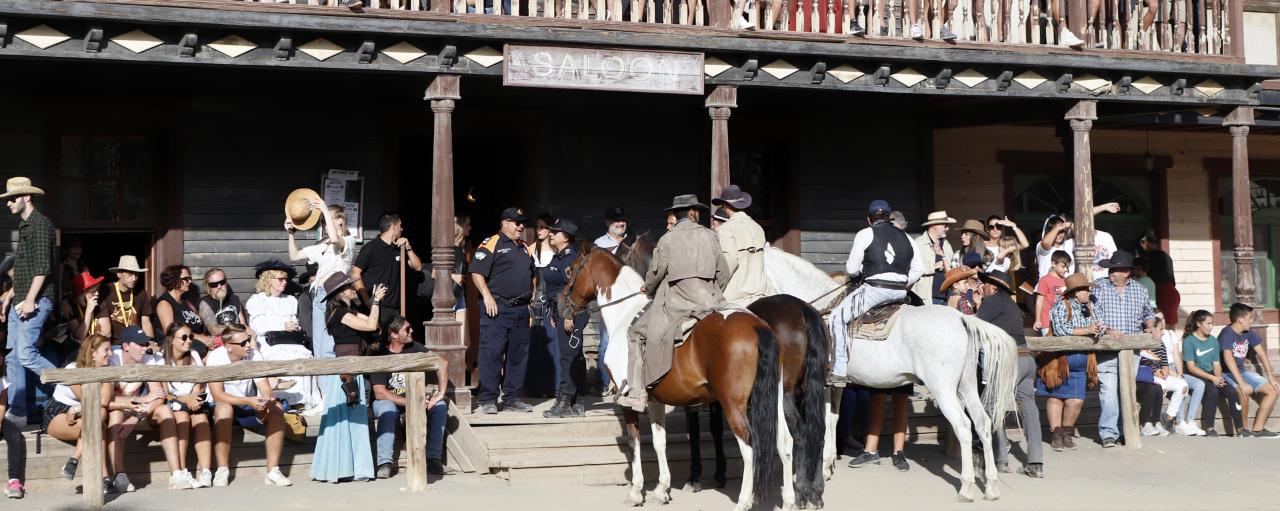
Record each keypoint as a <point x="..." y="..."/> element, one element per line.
<point x="1207" y="27"/>
<point x="92" y="378"/>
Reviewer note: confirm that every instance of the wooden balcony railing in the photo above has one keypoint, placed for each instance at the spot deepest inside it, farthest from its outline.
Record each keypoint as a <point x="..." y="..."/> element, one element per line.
<point x="1205" y="27"/>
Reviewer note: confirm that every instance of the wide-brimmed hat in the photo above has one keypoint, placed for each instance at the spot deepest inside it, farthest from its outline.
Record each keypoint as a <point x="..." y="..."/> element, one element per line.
<point x="685" y="202"/>
<point x="274" y="264"/>
<point x="975" y="227"/>
<point x="1076" y="282"/>
<point x="720" y="215"/>
<point x="84" y="281"/>
<point x="956" y="275"/>
<point x="336" y="281"/>
<point x="16" y="186"/>
<point x="615" y="214"/>
<point x="127" y="263"/>
<point x="937" y="218"/>
<point x="1120" y="259"/>
<point x="999" y="279"/>
<point x="1027" y="288"/>
<point x="298" y="208"/>
<point x="734" y="197"/>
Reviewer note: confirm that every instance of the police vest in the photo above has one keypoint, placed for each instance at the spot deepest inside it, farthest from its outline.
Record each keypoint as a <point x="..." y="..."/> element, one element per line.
<point x="890" y="251"/>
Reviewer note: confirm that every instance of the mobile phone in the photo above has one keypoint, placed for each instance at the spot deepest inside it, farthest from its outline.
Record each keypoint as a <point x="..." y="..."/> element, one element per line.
<point x="204" y="396"/>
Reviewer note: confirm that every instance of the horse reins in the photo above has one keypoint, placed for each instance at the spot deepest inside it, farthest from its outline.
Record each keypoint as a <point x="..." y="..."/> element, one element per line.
<point x="575" y="309"/>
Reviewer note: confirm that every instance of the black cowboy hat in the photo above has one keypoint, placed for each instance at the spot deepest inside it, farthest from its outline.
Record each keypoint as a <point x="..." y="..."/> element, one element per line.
<point x="1120" y="259"/>
<point x="734" y="197"/>
<point x="615" y="214"/>
<point x="686" y="202"/>
<point x="997" y="278"/>
<point x="274" y="264"/>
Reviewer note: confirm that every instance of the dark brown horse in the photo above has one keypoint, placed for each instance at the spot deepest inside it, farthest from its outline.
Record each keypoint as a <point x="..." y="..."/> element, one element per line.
<point x="730" y="358"/>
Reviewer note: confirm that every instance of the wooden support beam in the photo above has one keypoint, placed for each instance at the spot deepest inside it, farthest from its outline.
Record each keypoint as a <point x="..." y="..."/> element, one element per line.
<point x="1082" y="343"/>
<point x="415" y="430"/>
<point x="245" y="369"/>
<point x="1238" y="123"/>
<point x="1081" y="116"/>
<point x="1124" y="348"/>
<point x="91" y="439"/>
<point x="720" y="103"/>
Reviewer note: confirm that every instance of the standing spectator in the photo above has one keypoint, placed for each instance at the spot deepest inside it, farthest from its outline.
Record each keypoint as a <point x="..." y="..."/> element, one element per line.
<point x="898" y="220"/>
<point x="17" y="449"/>
<point x="1063" y="377"/>
<point x="190" y="405"/>
<point x="973" y="238"/>
<point x="1103" y="244"/>
<point x="333" y="253"/>
<point x="502" y="270"/>
<point x="81" y="307"/>
<point x="172" y="307"/>
<point x="1140" y="265"/>
<point x="1050" y="288"/>
<point x="220" y="305"/>
<point x="1006" y="242"/>
<point x="34" y="292"/>
<point x="126" y="304"/>
<point x="62" y="416"/>
<point x="1122" y="309"/>
<point x="871" y="452"/>
<point x="1202" y="354"/>
<point x="563" y="325"/>
<point x="962" y="294"/>
<point x="248" y="402"/>
<point x="935" y="254"/>
<point x="461" y="260"/>
<point x="342" y="450"/>
<point x="379" y="263"/>
<point x="999" y="309"/>
<point x="1160" y="269"/>
<point x="718" y="218"/>
<point x="144" y="402"/>
<point x="1056" y="237"/>
<point x="742" y="241"/>
<point x="72" y="265"/>
<point x="389" y="391"/>
<point x="543" y="374"/>
<point x="1236" y="341"/>
<point x="615" y="223"/>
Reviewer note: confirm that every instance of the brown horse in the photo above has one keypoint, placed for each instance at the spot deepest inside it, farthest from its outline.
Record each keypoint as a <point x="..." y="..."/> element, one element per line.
<point x="729" y="357"/>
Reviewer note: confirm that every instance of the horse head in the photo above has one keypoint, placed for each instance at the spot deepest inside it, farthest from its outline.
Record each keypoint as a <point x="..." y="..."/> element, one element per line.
<point x="639" y="254"/>
<point x="595" y="269"/>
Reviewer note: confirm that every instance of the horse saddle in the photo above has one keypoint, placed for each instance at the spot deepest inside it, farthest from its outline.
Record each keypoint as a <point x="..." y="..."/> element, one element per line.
<point x="876" y="323"/>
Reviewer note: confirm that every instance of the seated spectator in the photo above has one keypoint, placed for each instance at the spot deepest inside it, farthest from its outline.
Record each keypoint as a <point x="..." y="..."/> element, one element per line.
<point x="273" y="318"/>
<point x="172" y="307"/>
<point x="389" y="391"/>
<point x="247" y="402"/>
<point x="1201" y="352"/>
<point x="219" y="305"/>
<point x="143" y="402"/>
<point x="190" y="405"/>
<point x="1063" y="377"/>
<point x="1185" y="420"/>
<point x="62" y="415"/>
<point x="1236" y="341"/>
<point x="1154" y="381"/>
<point x="16" y="445"/>
<point x="1169" y="376"/>
<point x="1051" y="289"/>
<point x="962" y="292"/>
<point x="123" y="303"/>
<point x="871" y="453"/>
<point x="81" y="308"/>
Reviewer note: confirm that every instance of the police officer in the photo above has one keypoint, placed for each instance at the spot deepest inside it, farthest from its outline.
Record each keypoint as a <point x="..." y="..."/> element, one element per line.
<point x="562" y="324"/>
<point x="502" y="270"/>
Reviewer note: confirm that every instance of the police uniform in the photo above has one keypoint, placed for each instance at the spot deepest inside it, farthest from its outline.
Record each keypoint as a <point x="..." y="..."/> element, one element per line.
<point x="507" y="266"/>
<point x="572" y="363"/>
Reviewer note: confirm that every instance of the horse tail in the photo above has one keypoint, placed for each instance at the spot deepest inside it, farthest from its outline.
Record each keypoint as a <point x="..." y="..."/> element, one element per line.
<point x="1001" y="366"/>
<point x="762" y="410"/>
<point x="813" y="421"/>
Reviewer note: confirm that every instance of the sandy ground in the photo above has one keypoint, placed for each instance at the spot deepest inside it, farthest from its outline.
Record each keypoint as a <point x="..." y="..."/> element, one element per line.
<point x="1171" y="473"/>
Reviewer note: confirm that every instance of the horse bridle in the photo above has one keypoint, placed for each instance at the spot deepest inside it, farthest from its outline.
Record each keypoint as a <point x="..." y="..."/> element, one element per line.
<point x="575" y="270"/>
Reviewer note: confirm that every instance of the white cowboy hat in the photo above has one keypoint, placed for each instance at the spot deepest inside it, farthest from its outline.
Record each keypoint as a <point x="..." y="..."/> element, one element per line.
<point x="127" y="263"/>
<point x="937" y="217"/>
<point x="298" y="208"/>
<point x="16" y="186"/>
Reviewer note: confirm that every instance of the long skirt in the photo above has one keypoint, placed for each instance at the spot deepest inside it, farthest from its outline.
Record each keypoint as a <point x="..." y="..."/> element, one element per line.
<point x="342" y="450"/>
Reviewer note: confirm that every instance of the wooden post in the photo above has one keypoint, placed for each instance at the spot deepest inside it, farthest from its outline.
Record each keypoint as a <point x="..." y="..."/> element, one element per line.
<point x="1238" y="122"/>
<point x="415" y="431"/>
<point x="442" y="331"/>
<point x="1234" y="32"/>
<point x="720" y="13"/>
<point x="403" y="263"/>
<point x="1077" y="20"/>
<point x="719" y="105"/>
<point x="1081" y="116"/>
<point x="91" y="438"/>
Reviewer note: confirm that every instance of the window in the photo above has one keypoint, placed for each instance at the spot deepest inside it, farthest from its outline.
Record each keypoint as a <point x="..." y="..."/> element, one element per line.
<point x="1264" y="193"/>
<point x="106" y="179"/>
<point x="1037" y="195"/>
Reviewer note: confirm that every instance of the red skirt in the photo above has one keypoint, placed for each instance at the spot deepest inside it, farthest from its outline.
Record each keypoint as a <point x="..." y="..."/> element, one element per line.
<point x="1168" y="300"/>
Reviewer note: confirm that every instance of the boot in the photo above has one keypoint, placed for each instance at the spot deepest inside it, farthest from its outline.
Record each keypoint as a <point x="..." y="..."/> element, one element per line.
<point x="559" y="408"/>
<point x="1069" y="437"/>
<point x="577" y="410"/>
<point x="1057" y="443"/>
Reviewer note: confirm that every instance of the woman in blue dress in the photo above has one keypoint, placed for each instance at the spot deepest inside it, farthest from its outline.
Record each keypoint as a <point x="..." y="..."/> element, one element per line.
<point x="1062" y="377"/>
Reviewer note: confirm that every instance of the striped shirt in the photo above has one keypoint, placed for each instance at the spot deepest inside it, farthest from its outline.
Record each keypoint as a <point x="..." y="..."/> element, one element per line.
<point x="35" y="256"/>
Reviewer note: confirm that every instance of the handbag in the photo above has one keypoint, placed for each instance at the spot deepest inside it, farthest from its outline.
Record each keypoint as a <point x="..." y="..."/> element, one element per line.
<point x="351" y="388"/>
<point x="279" y="337"/>
<point x="1146" y="374"/>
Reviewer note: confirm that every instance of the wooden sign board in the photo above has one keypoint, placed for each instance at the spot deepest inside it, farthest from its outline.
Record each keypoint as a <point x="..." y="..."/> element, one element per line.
<point x="603" y="69"/>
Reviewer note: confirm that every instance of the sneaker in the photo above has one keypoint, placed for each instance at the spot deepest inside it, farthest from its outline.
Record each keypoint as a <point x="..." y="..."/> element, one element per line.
<point x="437" y="468"/>
<point x="1108" y="443"/>
<point x="122" y="484"/>
<point x="108" y="487"/>
<point x="1148" y="430"/>
<point x="900" y="462"/>
<point x="743" y="24"/>
<point x="1160" y="429"/>
<point x="1265" y="433"/>
<point x="15" y="489"/>
<point x="1213" y="433"/>
<point x="1070" y="40"/>
<point x="516" y="405"/>
<point x="180" y="480"/>
<point x="275" y="478"/>
<point x="20" y="422"/>
<point x="866" y="458"/>
<point x="385" y="471"/>
<point x="855" y="28"/>
<point x="946" y="34"/>
<point x="1035" y="470"/>
<point x="1244" y="433"/>
<point x="196" y="483"/>
<point x="69" y="468"/>
<point x="487" y="408"/>
<point x="222" y="477"/>
<point x="917" y="32"/>
<point x="203" y="479"/>
<point x="1185" y="429"/>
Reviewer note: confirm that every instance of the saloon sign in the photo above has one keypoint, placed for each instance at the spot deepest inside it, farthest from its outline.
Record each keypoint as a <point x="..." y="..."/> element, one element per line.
<point x="603" y="69"/>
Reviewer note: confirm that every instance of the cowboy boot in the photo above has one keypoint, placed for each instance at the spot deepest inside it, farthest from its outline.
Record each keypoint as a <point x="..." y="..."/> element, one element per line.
<point x="1057" y="442"/>
<point x="1069" y="437"/>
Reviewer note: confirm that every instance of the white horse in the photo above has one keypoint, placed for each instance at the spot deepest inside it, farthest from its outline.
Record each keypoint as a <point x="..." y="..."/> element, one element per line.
<point x="933" y="345"/>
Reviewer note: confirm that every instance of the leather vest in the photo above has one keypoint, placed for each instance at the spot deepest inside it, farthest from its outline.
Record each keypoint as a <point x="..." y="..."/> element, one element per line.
<point x="890" y="251"/>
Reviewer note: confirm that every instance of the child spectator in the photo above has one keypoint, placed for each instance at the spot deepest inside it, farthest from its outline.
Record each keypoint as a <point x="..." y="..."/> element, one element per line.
<point x="1155" y="379"/>
<point x="1049" y="289"/>
<point x="1201" y="353"/>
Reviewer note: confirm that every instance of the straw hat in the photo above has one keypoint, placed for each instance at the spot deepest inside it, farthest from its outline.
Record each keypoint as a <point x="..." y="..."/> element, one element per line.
<point x="127" y="263"/>
<point x="936" y="218"/>
<point x="956" y="275"/>
<point x="298" y="208"/>
<point x="1076" y="282"/>
<point x="975" y="227"/>
<point x="17" y="186"/>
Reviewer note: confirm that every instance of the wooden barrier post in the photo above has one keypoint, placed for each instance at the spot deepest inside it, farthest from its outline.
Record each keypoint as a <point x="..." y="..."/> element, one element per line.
<point x="1125" y="347"/>
<point x="415" y="431"/>
<point x="720" y="103"/>
<point x="91" y="420"/>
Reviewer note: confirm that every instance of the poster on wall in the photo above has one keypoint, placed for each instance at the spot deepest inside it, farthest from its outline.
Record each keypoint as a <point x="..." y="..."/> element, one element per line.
<point x="346" y="187"/>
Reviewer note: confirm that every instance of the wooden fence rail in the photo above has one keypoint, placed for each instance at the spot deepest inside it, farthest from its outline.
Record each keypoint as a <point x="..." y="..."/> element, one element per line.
<point x="92" y="379"/>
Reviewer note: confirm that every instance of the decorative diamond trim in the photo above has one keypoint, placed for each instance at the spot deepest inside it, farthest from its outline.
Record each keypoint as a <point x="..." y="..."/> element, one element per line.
<point x="970" y="77"/>
<point x="42" y="36"/>
<point x="1091" y="82"/>
<point x="136" y="41"/>
<point x="845" y="73"/>
<point x="320" y="49"/>
<point x="713" y="66"/>
<point x="485" y="56"/>
<point x="232" y="46"/>
<point x="1210" y="87"/>
<point x="779" y="69"/>
<point x="403" y="52"/>
<point x="1029" y="79"/>
<point x="1147" y="85"/>
<point x="908" y="77"/>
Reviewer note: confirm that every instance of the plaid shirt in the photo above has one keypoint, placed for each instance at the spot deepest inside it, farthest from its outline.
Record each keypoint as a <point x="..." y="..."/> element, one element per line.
<point x="1128" y="313"/>
<point x="35" y="256"/>
<point x="1080" y="317"/>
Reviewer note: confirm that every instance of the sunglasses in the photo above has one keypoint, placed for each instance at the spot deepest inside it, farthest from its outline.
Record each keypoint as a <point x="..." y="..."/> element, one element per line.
<point x="183" y="337"/>
<point x="281" y="279"/>
<point x="185" y="279"/>
<point x="218" y="284"/>
<point x="241" y="343"/>
<point x="993" y="227"/>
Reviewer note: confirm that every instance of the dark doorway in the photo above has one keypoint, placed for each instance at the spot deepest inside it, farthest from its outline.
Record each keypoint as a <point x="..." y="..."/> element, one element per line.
<point x="102" y="250"/>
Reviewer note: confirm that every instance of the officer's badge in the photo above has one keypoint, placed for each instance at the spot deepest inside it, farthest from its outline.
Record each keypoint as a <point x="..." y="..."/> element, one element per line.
<point x="519" y="211"/>
<point x="481" y="255"/>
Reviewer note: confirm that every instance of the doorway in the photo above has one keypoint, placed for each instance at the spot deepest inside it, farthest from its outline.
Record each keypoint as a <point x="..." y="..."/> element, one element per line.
<point x="102" y="250"/>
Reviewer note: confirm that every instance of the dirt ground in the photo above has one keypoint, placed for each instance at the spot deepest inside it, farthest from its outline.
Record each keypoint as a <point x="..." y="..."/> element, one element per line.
<point x="1174" y="473"/>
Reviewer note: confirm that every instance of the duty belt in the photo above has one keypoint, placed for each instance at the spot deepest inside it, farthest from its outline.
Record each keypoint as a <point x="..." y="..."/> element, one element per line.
<point x="513" y="302"/>
<point x="885" y="284"/>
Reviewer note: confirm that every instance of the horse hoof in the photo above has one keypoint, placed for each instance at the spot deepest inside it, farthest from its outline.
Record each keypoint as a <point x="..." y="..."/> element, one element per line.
<point x="968" y="492"/>
<point x="993" y="492"/>
<point x="634" y="499"/>
<point x="816" y="502"/>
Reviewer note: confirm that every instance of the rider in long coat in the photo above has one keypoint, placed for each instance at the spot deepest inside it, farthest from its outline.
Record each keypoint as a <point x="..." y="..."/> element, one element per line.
<point x="686" y="280"/>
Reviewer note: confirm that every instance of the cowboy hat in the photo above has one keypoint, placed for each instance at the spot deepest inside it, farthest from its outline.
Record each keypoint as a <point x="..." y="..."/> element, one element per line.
<point x="975" y="227"/>
<point x="84" y="281"/>
<point x="1027" y="288"/>
<point x="956" y="275"/>
<point x="17" y="186"/>
<point x="127" y="263"/>
<point x="734" y="197"/>
<point x="274" y="264"/>
<point x="615" y="214"/>
<point x="720" y="215"/>
<point x="686" y="202"/>
<point x="1120" y="259"/>
<point x="336" y="281"/>
<point x="298" y="208"/>
<point x="1076" y="282"/>
<point x="997" y="278"/>
<point x="937" y="218"/>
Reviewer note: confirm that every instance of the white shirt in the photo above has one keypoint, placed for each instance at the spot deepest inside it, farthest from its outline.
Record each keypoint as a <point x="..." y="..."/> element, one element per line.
<point x="1103" y="245"/>
<point x="269" y="313"/>
<point x="132" y="388"/>
<point x="236" y="388"/>
<point x="178" y="388"/>
<point x="998" y="264"/>
<point x="608" y="243"/>
<point x="62" y="393"/>
<point x="328" y="260"/>
<point x="1044" y="258"/>
<point x="541" y="260"/>
<point x="862" y="240"/>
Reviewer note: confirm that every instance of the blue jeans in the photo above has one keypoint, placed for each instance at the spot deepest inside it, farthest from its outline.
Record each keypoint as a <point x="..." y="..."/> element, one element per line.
<point x="388" y="415"/>
<point x="1108" y="394"/>
<point x="600" y="368"/>
<point x="321" y="341"/>
<point x="24" y="334"/>
<point x="851" y="308"/>
<point x="1254" y="380"/>
<point x="1195" y="389"/>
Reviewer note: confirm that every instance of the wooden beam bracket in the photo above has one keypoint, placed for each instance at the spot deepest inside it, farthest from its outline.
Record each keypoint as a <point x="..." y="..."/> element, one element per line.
<point x="818" y="73"/>
<point x="448" y="56"/>
<point x="1064" y="83"/>
<point x="187" y="47"/>
<point x="284" y="47"/>
<point x="1004" y="81"/>
<point x="4" y="32"/>
<point x="750" y="68"/>
<point x="93" y="41"/>
<point x="1178" y="87"/>
<point x="1251" y="92"/>
<point x="1124" y="84"/>
<point x="365" y="53"/>
<point x="943" y="79"/>
<point x="881" y="75"/>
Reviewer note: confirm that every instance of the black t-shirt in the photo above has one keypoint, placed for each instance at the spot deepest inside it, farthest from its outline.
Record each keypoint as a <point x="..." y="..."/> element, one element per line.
<point x="507" y="265"/>
<point x="999" y="310"/>
<point x="396" y="382"/>
<point x="379" y="263"/>
<point x="342" y="334"/>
